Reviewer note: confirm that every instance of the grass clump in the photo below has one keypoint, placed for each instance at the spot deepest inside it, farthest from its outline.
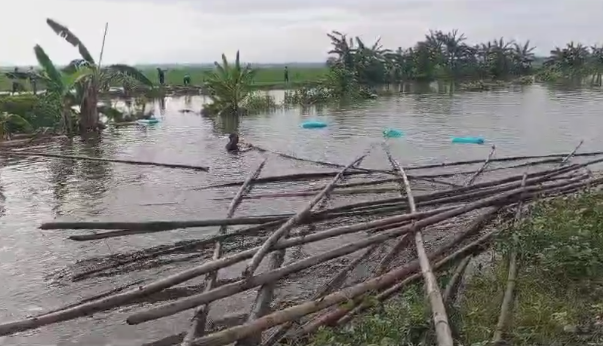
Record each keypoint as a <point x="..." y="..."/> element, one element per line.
<point x="559" y="287"/>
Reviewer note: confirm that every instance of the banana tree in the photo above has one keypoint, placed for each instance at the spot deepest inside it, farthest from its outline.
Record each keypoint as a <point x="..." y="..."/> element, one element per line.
<point x="88" y="88"/>
<point x="59" y="87"/>
<point x="229" y="86"/>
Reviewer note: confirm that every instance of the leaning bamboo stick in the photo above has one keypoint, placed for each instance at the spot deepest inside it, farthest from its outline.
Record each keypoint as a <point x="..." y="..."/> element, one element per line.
<point x="440" y="317"/>
<point x="253" y="281"/>
<point x="283" y="230"/>
<point x="482" y="168"/>
<point x="197" y="327"/>
<point x="265" y="295"/>
<point x="87" y="158"/>
<point x="507" y="304"/>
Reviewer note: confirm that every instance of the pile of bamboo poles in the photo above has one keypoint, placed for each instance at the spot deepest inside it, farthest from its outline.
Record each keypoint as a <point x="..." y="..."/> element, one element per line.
<point x="403" y="238"/>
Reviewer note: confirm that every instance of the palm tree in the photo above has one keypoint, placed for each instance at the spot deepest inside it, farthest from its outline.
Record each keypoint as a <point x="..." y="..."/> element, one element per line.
<point x="523" y="56"/>
<point x="88" y="88"/>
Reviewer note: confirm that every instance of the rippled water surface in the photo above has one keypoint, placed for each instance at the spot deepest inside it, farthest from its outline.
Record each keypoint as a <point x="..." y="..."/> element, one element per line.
<point x="530" y="120"/>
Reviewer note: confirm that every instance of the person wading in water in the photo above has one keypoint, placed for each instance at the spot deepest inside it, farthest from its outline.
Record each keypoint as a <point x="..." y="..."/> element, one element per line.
<point x="235" y="145"/>
<point x="286" y="74"/>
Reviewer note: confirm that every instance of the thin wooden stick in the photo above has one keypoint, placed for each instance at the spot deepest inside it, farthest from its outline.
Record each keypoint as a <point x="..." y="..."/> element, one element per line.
<point x="440" y="318"/>
<point x="572" y="154"/>
<point x="482" y="168"/>
<point x="197" y="327"/>
<point x="88" y="158"/>
<point x="457" y="276"/>
<point x="283" y="231"/>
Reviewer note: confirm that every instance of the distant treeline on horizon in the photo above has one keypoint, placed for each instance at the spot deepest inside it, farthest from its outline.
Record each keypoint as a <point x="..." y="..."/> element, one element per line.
<point x="537" y="61"/>
<point x="205" y="65"/>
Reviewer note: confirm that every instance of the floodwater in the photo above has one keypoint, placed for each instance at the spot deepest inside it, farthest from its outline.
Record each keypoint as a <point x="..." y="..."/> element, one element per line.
<point x="527" y="120"/>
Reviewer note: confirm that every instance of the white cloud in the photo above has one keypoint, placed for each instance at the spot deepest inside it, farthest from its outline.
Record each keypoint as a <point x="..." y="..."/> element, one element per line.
<point x="278" y="31"/>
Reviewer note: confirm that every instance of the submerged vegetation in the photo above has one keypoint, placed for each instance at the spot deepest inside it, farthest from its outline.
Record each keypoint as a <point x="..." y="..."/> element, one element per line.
<point x="559" y="250"/>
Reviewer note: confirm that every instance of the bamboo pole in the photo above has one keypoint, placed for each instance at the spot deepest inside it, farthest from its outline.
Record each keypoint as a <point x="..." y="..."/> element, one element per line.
<point x="197" y="327"/>
<point x="87" y="158"/>
<point x="507" y="304"/>
<point x="158" y="226"/>
<point x="440" y="317"/>
<point x="298" y="311"/>
<point x="253" y="281"/>
<point x="123" y="298"/>
<point x="283" y="230"/>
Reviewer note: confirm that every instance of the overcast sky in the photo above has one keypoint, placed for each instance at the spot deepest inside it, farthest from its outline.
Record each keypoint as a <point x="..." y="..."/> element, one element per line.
<point x="183" y="31"/>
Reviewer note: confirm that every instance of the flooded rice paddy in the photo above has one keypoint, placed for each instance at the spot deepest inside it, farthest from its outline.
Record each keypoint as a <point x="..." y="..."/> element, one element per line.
<point x="524" y="121"/>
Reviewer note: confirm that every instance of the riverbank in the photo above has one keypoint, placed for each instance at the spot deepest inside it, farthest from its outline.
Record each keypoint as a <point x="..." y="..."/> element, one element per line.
<point x="558" y="287"/>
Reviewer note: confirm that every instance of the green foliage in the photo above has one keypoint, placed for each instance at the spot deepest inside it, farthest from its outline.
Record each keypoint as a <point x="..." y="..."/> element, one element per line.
<point x="559" y="288"/>
<point x="257" y="102"/>
<point x="34" y="109"/>
<point x="403" y="321"/>
<point x="229" y="86"/>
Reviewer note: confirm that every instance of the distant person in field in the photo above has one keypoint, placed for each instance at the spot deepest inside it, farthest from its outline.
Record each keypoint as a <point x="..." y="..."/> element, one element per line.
<point x="286" y="74"/>
<point x="15" y="81"/>
<point x="33" y="80"/>
<point x="187" y="80"/>
<point x="161" y="75"/>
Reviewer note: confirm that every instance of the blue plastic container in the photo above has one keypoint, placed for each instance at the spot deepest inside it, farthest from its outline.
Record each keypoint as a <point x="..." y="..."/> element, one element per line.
<point x="392" y="133"/>
<point x="468" y="140"/>
<point x="313" y="124"/>
<point x="147" y="121"/>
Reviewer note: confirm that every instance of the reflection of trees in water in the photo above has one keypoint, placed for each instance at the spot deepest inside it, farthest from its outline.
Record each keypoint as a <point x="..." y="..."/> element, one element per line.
<point x="60" y="173"/>
<point x="93" y="175"/>
<point x="161" y="101"/>
<point x="225" y="124"/>
<point x="188" y="101"/>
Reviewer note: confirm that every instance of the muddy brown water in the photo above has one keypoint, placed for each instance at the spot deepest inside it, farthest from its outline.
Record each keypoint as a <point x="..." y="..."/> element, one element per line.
<point x="528" y="120"/>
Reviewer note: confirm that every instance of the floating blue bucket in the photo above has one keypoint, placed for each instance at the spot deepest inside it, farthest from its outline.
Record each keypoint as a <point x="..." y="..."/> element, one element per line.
<point x="313" y="124"/>
<point x="392" y="133"/>
<point x="468" y="140"/>
<point x="147" y="121"/>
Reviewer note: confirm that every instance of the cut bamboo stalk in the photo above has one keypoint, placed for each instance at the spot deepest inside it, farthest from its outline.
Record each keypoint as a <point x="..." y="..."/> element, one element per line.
<point x="261" y="305"/>
<point x="283" y="231"/>
<point x="455" y="280"/>
<point x="572" y="154"/>
<point x="227" y="290"/>
<point x="146" y="227"/>
<point x="197" y="327"/>
<point x="507" y="304"/>
<point x="440" y="317"/>
<point x="87" y="158"/>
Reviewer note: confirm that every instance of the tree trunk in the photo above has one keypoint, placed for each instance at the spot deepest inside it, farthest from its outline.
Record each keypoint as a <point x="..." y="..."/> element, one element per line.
<point x="89" y="121"/>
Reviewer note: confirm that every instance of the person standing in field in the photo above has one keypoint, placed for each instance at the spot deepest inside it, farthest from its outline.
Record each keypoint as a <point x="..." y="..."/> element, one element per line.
<point x="33" y="80"/>
<point x="187" y="80"/>
<point x="286" y="74"/>
<point x="15" y="80"/>
<point x="161" y="75"/>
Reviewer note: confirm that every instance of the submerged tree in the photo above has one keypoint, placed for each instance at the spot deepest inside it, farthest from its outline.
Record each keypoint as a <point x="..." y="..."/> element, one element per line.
<point x="229" y="87"/>
<point x="96" y="79"/>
